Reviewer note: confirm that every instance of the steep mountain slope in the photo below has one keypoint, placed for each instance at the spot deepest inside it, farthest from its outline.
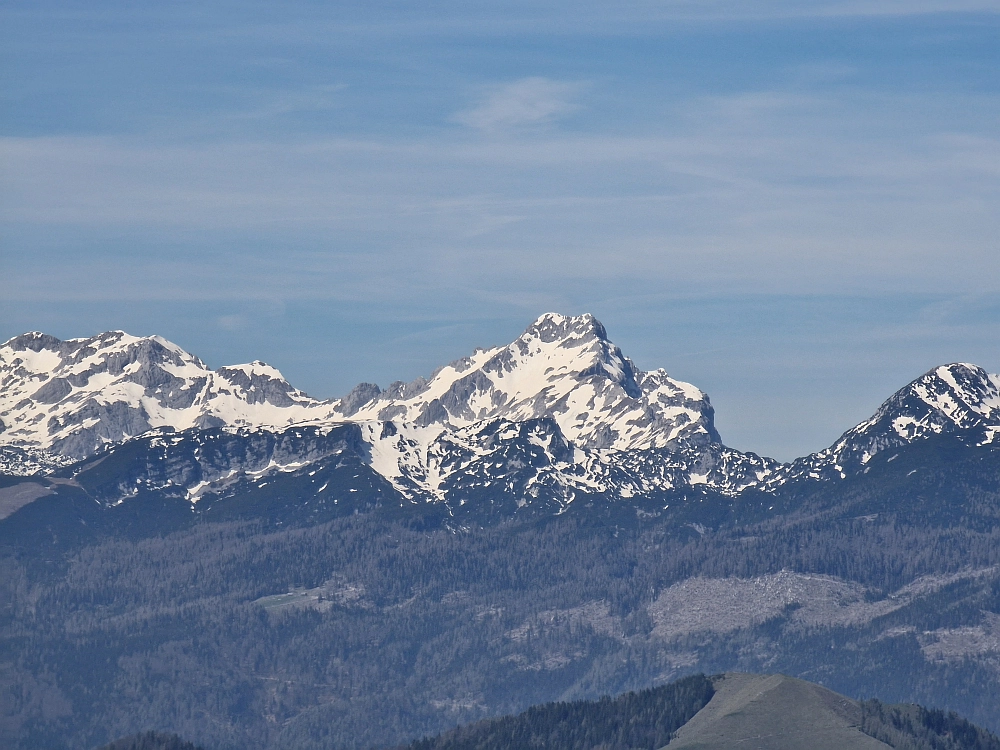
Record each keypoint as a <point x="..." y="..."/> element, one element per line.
<point x="483" y="474"/>
<point x="72" y="397"/>
<point x="563" y="368"/>
<point x="541" y="415"/>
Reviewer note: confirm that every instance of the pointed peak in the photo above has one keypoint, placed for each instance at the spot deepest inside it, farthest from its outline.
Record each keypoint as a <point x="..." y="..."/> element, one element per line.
<point x="944" y="400"/>
<point x="964" y="379"/>
<point x="168" y="344"/>
<point x="957" y="371"/>
<point x="554" y="327"/>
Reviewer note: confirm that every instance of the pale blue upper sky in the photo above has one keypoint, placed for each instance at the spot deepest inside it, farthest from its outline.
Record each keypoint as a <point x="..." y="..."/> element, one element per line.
<point x="794" y="206"/>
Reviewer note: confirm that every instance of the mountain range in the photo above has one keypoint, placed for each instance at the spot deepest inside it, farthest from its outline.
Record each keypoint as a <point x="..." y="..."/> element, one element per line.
<point x="557" y="414"/>
<point x="218" y="555"/>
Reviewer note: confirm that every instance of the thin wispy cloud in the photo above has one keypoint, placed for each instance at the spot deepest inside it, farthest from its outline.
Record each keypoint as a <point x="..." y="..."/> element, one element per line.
<point x="529" y="102"/>
<point x="273" y="102"/>
<point x="761" y="188"/>
<point x="231" y="322"/>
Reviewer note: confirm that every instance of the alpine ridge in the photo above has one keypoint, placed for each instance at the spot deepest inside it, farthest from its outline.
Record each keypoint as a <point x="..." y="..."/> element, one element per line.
<point x="563" y="368"/>
<point x="960" y="400"/>
<point x="557" y="414"/>
<point x="71" y="398"/>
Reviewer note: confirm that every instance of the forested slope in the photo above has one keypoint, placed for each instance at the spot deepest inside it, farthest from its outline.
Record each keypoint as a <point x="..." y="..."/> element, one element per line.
<point x="150" y="741"/>
<point x="766" y="712"/>
<point x="647" y="719"/>
<point x="275" y="632"/>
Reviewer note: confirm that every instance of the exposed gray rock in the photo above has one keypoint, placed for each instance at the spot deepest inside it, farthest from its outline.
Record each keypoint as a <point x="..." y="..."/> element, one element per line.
<point x="55" y="390"/>
<point x="571" y="330"/>
<point x="259" y="388"/>
<point x="116" y="421"/>
<point x="389" y="413"/>
<point x="35" y="342"/>
<point x="111" y="378"/>
<point x="455" y="400"/>
<point x="182" y="393"/>
<point x="603" y="438"/>
<point x="361" y="394"/>
<point x="399" y="390"/>
<point x="433" y="413"/>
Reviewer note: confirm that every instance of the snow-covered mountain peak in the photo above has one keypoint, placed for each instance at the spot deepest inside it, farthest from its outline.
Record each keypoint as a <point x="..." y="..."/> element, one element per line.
<point x="561" y="367"/>
<point x="561" y="345"/>
<point x="558" y="411"/>
<point x="73" y="396"/>
<point x="552" y="327"/>
<point x="948" y="399"/>
<point x="962" y="392"/>
<point x="957" y="396"/>
<point x="42" y="355"/>
<point x="259" y="383"/>
<point x="553" y="402"/>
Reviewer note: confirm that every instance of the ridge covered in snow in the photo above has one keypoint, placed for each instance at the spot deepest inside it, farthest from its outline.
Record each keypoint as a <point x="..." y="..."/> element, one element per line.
<point x="557" y="413"/>
<point x="561" y="367"/>
<point x="950" y="399"/>
<point x="556" y="402"/>
<point x="72" y="397"/>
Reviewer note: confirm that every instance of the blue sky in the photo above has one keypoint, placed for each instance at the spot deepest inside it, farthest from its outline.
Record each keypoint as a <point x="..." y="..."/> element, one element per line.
<point x="793" y="206"/>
